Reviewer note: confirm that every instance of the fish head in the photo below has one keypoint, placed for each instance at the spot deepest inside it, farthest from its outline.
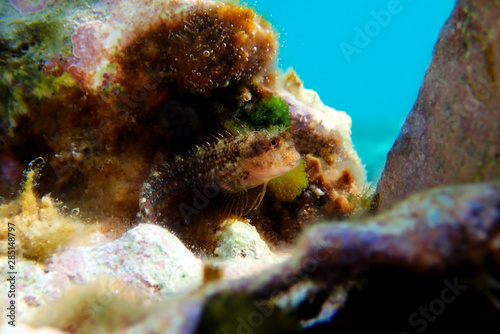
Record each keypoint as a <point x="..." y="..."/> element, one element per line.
<point x="269" y="155"/>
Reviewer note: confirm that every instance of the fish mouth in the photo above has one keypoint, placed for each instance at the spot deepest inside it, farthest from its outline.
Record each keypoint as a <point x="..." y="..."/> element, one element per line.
<point x="292" y="163"/>
<point x="263" y="174"/>
<point x="296" y="160"/>
<point x="296" y="163"/>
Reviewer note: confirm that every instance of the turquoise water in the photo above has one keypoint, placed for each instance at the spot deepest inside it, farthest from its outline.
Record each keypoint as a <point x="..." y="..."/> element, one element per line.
<point x="375" y="78"/>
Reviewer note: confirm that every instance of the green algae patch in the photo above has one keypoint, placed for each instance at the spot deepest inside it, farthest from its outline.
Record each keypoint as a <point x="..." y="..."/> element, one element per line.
<point x="258" y="113"/>
<point x="265" y="113"/>
<point x="39" y="226"/>
<point x="270" y="112"/>
<point x="290" y="185"/>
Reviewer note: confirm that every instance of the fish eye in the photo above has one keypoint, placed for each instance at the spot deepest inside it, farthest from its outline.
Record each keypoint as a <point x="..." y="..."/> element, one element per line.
<point x="275" y="142"/>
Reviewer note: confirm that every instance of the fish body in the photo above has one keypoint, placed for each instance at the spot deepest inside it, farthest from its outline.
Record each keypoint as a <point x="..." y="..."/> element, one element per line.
<point x="230" y="165"/>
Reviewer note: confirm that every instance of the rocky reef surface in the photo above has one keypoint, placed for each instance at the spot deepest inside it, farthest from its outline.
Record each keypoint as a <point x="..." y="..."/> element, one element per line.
<point x="104" y="91"/>
<point x="104" y="101"/>
<point x="451" y="134"/>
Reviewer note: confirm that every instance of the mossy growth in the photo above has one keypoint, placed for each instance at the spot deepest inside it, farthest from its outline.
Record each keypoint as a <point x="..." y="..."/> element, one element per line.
<point x="38" y="224"/>
<point x="105" y="306"/>
<point x="290" y="185"/>
<point x="236" y="313"/>
<point x="268" y="112"/>
<point x="364" y="201"/>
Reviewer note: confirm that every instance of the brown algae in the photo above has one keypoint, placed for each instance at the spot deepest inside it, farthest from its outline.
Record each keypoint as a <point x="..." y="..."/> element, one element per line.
<point x="38" y="226"/>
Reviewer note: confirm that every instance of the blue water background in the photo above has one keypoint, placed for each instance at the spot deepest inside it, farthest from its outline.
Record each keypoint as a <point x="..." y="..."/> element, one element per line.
<point x="377" y="84"/>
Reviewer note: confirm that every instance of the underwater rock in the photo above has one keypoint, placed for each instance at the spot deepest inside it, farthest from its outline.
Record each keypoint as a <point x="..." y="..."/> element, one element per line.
<point x="430" y="233"/>
<point x="240" y="267"/>
<point x="333" y="169"/>
<point x="29" y="6"/>
<point x="322" y="135"/>
<point x="147" y="257"/>
<point x="35" y="286"/>
<point x="323" y="132"/>
<point x="240" y="240"/>
<point x="25" y="329"/>
<point x="451" y="134"/>
<point x="104" y="306"/>
<point x="120" y="82"/>
<point x="196" y="45"/>
<point x="122" y="85"/>
<point x="242" y="252"/>
<point x="312" y="301"/>
<point x="433" y="230"/>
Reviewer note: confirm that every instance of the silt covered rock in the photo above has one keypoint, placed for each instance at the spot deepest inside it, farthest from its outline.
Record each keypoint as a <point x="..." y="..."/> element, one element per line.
<point x="240" y="240"/>
<point x="147" y="257"/>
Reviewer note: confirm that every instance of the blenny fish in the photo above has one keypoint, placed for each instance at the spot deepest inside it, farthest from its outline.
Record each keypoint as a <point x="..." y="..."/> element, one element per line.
<point x="230" y="165"/>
